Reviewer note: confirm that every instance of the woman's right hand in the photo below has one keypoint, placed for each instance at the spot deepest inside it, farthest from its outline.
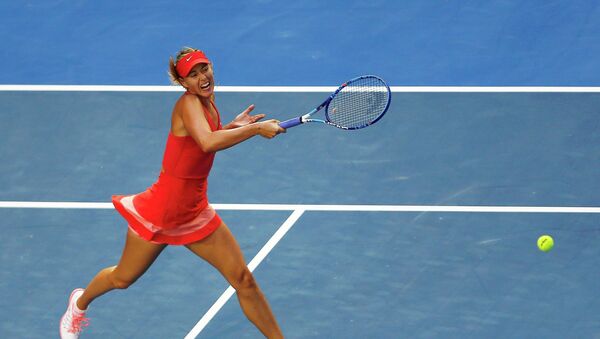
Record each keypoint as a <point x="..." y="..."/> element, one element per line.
<point x="269" y="129"/>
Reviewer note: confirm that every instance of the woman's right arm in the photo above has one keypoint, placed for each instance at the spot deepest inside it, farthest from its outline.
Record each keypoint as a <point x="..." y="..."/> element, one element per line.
<point x="198" y="128"/>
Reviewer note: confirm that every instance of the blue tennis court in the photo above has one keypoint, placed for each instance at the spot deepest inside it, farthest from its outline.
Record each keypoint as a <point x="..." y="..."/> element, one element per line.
<point x="421" y="226"/>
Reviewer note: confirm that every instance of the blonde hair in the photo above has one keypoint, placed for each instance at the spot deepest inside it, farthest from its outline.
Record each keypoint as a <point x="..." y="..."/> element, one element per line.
<point x="173" y="75"/>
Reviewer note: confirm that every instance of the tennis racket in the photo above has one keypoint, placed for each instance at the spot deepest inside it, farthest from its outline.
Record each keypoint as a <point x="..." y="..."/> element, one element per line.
<point x="356" y="104"/>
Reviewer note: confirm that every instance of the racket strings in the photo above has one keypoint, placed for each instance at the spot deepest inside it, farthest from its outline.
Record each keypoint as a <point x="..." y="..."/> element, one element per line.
<point x="359" y="104"/>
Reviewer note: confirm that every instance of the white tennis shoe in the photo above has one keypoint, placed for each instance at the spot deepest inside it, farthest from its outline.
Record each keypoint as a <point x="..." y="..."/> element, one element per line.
<point x="74" y="320"/>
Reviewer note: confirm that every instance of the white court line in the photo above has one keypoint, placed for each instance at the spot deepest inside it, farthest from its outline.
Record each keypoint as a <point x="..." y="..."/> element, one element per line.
<point x="295" y="89"/>
<point x="260" y="256"/>
<point x="298" y="211"/>
<point x="327" y="208"/>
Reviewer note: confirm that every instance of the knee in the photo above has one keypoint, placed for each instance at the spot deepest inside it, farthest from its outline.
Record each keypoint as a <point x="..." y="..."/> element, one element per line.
<point x="244" y="281"/>
<point x="120" y="281"/>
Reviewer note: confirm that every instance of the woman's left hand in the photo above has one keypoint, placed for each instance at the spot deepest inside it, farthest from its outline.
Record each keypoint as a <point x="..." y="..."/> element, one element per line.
<point x="245" y="118"/>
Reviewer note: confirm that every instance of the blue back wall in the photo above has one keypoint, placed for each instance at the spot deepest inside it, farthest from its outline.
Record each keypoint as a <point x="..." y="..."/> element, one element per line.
<point x="262" y="42"/>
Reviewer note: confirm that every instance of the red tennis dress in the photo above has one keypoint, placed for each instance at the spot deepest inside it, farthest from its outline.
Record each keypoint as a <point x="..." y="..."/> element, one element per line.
<point x="175" y="209"/>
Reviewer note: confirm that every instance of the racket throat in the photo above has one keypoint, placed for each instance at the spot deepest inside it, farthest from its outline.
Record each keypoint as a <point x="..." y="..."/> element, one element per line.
<point x="305" y="118"/>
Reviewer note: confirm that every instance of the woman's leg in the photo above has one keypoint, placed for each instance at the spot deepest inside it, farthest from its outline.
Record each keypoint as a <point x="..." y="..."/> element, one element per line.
<point x="222" y="251"/>
<point x="137" y="256"/>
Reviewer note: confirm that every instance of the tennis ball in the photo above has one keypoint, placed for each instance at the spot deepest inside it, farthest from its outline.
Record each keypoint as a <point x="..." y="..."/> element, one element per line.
<point x="545" y="243"/>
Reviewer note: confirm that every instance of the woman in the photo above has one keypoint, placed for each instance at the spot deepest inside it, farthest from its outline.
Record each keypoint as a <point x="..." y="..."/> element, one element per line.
<point x="175" y="210"/>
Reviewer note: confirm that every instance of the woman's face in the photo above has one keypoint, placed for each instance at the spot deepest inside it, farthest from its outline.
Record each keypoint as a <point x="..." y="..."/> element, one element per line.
<point x="200" y="81"/>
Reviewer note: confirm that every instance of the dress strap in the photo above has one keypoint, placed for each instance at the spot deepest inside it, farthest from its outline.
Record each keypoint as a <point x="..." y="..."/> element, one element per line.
<point x="218" y="114"/>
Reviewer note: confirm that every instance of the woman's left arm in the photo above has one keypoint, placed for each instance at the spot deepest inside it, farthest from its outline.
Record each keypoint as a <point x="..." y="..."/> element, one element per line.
<point x="244" y="118"/>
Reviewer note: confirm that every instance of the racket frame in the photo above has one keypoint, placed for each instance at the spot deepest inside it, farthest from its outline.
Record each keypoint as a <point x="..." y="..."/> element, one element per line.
<point x="307" y="117"/>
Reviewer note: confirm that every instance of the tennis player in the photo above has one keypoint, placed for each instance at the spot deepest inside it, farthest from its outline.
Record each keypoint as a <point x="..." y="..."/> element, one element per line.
<point x="175" y="209"/>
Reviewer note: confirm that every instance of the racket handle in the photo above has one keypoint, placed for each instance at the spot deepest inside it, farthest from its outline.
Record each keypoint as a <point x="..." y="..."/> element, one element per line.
<point x="291" y="123"/>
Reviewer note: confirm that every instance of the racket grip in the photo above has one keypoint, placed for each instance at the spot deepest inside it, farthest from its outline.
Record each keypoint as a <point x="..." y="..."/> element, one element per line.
<point x="291" y="123"/>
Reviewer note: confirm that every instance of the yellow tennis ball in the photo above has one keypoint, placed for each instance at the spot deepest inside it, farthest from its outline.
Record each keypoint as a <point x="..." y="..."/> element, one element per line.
<point x="545" y="243"/>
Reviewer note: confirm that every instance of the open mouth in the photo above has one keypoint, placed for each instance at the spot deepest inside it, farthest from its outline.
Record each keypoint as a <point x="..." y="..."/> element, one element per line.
<point x="205" y="86"/>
